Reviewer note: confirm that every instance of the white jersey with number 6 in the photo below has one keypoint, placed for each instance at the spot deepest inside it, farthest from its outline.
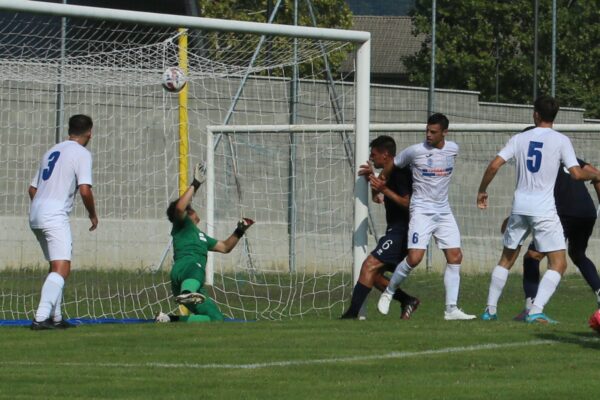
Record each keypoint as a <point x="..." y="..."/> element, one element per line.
<point x="538" y="153"/>
<point x="63" y="168"/>
<point x="431" y="170"/>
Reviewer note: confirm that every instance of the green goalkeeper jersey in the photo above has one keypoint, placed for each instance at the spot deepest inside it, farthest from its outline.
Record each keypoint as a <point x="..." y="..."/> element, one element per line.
<point x="189" y="241"/>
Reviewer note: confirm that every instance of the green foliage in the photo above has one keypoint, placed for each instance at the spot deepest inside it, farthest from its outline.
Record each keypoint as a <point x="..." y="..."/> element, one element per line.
<point x="328" y="14"/>
<point x="476" y="38"/>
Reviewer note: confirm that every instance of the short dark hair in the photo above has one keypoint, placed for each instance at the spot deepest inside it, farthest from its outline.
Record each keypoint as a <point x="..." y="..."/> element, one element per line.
<point x="171" y="210"/>
<point x="79" y="124"/>
<point x="440" y="119"/>
<point x="547" y="107"/>
<point x="384" y="143"/>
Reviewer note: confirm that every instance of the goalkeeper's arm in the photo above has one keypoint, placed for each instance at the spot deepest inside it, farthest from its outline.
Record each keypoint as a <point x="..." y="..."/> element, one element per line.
<point x="225" y="246"/>
<point x="186" y="198"/>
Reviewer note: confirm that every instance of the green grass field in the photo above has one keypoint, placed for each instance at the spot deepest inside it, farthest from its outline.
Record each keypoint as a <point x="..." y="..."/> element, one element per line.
<point x="318" y="358"/>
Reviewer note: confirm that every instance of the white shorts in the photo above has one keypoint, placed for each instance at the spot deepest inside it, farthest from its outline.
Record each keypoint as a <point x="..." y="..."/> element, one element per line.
<point x="443" y="227"/>
<point x="547" y="232"/>
<point x="56" y="242"/>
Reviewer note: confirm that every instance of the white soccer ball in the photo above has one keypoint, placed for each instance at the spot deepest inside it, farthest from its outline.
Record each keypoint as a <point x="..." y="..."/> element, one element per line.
<point x="174" y="79"/>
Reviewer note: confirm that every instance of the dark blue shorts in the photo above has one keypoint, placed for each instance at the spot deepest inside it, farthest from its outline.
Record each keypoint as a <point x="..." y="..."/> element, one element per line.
<point x="392" y="247"/>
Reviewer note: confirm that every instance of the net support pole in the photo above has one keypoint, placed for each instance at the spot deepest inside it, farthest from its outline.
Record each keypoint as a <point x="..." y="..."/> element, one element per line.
<point x="361" y="152"/>
<point x="292" y="154"/>
<point x="210" y="203"/>
<point x="183" y="116"/>
<point x="60" y="90"/>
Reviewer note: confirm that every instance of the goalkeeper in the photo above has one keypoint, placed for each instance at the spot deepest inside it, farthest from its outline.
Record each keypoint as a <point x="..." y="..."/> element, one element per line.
<point x="190" y="248"/>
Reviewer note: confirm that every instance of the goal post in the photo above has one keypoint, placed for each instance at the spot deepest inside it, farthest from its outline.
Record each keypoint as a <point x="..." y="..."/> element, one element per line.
<point x="108" y="63"/>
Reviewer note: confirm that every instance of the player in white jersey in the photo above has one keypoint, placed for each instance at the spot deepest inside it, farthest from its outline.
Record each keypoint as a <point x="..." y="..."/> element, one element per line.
<point x="65" y="169"/>
<point x="538" y="154"/>
<point x="432" y="164"/>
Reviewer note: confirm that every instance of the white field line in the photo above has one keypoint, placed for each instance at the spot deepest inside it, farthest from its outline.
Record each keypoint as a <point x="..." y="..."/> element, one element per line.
<point x="291" y="363"/>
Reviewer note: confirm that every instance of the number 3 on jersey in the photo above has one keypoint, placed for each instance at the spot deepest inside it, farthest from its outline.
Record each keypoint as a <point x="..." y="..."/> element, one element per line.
<point x="52" y="159"/>
<point x="534" y="156"/>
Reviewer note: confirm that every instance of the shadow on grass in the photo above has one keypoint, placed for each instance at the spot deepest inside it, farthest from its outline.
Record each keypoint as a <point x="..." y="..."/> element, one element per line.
<point x="588" y="340"/>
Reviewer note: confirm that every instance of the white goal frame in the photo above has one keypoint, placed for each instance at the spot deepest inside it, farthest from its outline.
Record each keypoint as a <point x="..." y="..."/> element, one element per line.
<point x="362" y="74"/>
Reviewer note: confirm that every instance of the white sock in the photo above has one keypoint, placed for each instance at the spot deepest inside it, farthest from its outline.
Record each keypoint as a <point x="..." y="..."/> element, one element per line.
<point x="529" y="303"/>
<point x="56" y="313"/>
<point x="51" y="289"/>
<point x="499" y="277"/>
<point x="452" y="284"/>
<point x="400" y="273"/>
<point x="547" y="287"/>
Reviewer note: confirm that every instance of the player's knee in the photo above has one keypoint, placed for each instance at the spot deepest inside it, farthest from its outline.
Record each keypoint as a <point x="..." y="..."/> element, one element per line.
<point x="533" y="255"/>
<point x="454" y="256"/>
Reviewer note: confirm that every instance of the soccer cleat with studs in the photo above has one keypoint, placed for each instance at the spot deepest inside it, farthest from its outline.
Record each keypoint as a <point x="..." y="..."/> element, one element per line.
<point x="45" y="325"/>
<point x="486" y="316"/>
<point x="62" y="324"/>
<point x="383" y="305"/>
<point x="408" y="308"/>
<point x="190" y="298"/>
<point x="457" y="315"/>
<point x="540" y="318"/>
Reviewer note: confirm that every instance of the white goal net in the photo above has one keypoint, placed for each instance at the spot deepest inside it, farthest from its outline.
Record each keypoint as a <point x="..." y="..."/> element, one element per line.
<point x="57" y="66"/>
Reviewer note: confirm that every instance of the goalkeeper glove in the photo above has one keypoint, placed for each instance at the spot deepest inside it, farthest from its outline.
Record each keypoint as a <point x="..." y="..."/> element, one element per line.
<point x="242" y="227"/>
<point x="199" y="175"/>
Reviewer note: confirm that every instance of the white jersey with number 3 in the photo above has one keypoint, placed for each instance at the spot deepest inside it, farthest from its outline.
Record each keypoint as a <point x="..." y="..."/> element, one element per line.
<point x="63" y="168"/>
<point x="538" y="153"/>
<point x="432" y="171"/>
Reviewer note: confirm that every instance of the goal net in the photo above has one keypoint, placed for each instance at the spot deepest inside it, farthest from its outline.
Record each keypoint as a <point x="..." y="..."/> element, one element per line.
<point x="54" y="66"/>
<point x="298" y="251"/>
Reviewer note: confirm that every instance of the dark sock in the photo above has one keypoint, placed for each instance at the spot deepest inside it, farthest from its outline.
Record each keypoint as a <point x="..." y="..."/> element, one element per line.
<point x="531" y="276"/>
<point x="588" y="270"/>
<point x="359" y="294"/>
<point x="401" y="296"/>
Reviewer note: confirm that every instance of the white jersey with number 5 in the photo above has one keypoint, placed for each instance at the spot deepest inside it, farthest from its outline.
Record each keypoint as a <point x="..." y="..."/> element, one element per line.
<point x="63" y="168"/>
<point x="431" y="170"/>
<point x="538" y="153"/>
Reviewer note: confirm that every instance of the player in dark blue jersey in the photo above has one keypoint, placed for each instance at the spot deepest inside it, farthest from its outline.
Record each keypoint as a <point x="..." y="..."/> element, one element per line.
<point x="577" y="214"/>
<point x="391" y="249"/>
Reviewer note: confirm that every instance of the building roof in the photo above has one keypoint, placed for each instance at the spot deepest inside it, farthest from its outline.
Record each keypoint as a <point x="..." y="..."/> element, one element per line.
<point x="391" y="41"/>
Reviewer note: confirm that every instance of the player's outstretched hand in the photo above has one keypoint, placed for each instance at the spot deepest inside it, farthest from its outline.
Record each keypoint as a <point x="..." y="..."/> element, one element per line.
<point x="482" y="200"/>
<point x="242" y="226"/>
<point x="200" y="173"/>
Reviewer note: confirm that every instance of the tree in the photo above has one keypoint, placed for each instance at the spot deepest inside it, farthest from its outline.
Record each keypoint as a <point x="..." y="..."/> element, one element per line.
<point x="328" y="14"/>
<point x="487" y="46"/>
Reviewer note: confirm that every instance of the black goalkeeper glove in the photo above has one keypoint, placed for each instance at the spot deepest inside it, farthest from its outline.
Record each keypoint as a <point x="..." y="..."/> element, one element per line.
<point x="242" y="227"/>
<point x="199" y="175"/>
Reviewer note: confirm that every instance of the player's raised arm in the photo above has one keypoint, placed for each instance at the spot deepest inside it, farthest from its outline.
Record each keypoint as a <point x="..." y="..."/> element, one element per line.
<point x="186" y="198"/>
<point x="488" y="176"/>
<point x="225" y="246"/>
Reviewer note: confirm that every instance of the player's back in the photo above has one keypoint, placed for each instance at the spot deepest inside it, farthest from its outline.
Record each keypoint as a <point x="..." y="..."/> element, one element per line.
<point x="538" y="154"/>
<point x="65" y="166"/>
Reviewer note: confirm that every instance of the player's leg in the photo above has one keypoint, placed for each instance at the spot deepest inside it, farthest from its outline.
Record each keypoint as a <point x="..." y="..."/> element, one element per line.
<point x="531" y="278"/>
<point x="408" y="303"/>
<point x="368" y="271"/>
<point x="401" y="272"/>
<point x="419" y="232"/>
<point x="207" y="309"/>
<point x="578" y="232"/>
<point x="549" y="239"/>
<point x="56" y="246"/>
<point x="191" y="275"/>
<point x="447" y="237"/>
<point x="516" y="232"/>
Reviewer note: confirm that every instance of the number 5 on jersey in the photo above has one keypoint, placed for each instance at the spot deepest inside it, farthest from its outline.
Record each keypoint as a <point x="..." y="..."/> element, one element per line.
<point x="534" y="156"/>
<point x="52" y="159"/>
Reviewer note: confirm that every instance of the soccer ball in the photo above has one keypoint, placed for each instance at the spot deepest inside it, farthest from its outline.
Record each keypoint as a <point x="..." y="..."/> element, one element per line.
<point x="594" y="321"/>
<point x="174" y="79"/>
